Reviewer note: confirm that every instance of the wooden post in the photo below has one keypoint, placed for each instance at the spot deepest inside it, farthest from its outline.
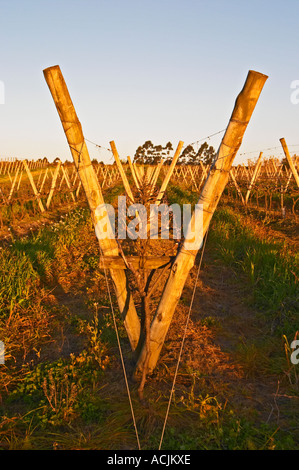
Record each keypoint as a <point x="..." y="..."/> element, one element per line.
<point x="87" y="175"/>
<point x="43" y="181"/>
<point x="53" y="184"/>
<point x="122" y="172"/>
<point x="38" y="180"/>
<point x="231" y="173"/>
<point x="138" y="173"/>
<point x="13" y="185"/>
<point x="20" y="179"/>
<point x="288" y="181"/>
<point x="254" y="176"/>
<point x="78" y="189"/>
<point x="208" y="199"/>
<point x="204" y="173"/>
<point x="62" y="177"/>
<point x="149" y="173"/>
<point x="289" y="159"/>
<point x="66" y="177"/>
<point x="133" y="173"/>
<point x="191" y="171"/>
<point x="40" y="204"/>
<point x="169" y="173"/>
<point x="156" y="174"/>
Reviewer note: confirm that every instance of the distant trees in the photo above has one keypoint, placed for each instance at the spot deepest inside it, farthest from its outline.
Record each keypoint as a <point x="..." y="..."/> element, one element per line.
<point x="206" y="153"/>
<point x="150" y="154"/>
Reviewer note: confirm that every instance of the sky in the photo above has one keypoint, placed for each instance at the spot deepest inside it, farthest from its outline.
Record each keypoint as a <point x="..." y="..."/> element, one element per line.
<point x="159" y="70"/>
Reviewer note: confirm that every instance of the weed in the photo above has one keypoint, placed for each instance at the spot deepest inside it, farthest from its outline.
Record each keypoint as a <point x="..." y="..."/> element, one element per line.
<point x="270" y="269"/>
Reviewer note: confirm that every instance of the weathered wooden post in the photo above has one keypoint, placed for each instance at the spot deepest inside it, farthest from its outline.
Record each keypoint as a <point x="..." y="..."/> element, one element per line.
<point x="13" y="185"/>
<point x="20" y="179"/>
<point x="204" y="173"/>
<point x="231" y="173"/>
<point x="43" y="181"/>
<point x="209" y="198"/>
<point x="108" y="246"/>
<point x="36" y="193"/>
<point x="122" y="172"/>
<point x="53" y="184"/>
<point x="254" y="176"/>
<point x="156" y="173"/>
<point x="169" y="172"/>
<point x="66" y="177"/>
<point x="138" y="172"/>
<point x="289" y="159"/>
<point x="133" y="173"/>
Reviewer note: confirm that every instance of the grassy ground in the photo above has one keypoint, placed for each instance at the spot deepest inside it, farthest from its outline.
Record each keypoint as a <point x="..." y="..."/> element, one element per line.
<point x="62" y="384"/>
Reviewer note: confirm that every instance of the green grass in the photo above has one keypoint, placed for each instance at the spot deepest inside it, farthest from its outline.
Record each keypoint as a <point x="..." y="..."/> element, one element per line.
<point x="17" y="278"/>
<point x="26" y="261"/>
<point x="270" y="269"/>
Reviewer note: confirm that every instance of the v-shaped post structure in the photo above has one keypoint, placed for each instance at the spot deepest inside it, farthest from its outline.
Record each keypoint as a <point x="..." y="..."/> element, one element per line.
<point x="181" y="265"/>
<point x="209" y="198"/>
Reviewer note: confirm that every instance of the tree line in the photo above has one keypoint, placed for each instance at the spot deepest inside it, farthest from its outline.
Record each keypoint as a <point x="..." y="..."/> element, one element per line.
<point x="150" y="154"/>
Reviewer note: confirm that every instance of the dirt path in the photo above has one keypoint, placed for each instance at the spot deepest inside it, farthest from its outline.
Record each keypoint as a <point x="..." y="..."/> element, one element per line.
<point x="228" y="344"/>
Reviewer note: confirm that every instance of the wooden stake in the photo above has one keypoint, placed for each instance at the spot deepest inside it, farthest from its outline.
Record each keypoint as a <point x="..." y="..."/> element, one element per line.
<point x="169" y="173"/>
<point x="254" y="176"/>
<point x="122" y="172"/>
<point x="231" y="173"/>
<point x="209" y="198"/>
<point x="13" y="186"/>
<point x="289" y="159"/>
<point x="37" y="195"/>
<point x="20" y="179"/>
<point x="156" y="174"/>
<point x="151" y="262"/>
<point x="53" y="184"/>
<point x="138" y="173"/>
<point x="66" y="177"/>
<point x="133" y="173"/>
<point x="87" y="175"/>
<point x="43" y="181"/>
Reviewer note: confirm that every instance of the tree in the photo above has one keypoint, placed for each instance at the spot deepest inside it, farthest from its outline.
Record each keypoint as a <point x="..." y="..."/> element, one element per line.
<point x="150" y="154"/>
<point x="206" y="153"/>
<point x="187" y="155"/>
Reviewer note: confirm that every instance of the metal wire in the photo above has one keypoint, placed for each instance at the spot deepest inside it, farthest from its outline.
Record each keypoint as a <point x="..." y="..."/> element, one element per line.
<point x="114" y="322"/>
<point x="120" y="351"/>
<point x="183" y="340"/>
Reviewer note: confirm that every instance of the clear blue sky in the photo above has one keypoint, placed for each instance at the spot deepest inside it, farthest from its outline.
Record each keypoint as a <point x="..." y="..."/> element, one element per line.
<point x="164" y="70"/>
